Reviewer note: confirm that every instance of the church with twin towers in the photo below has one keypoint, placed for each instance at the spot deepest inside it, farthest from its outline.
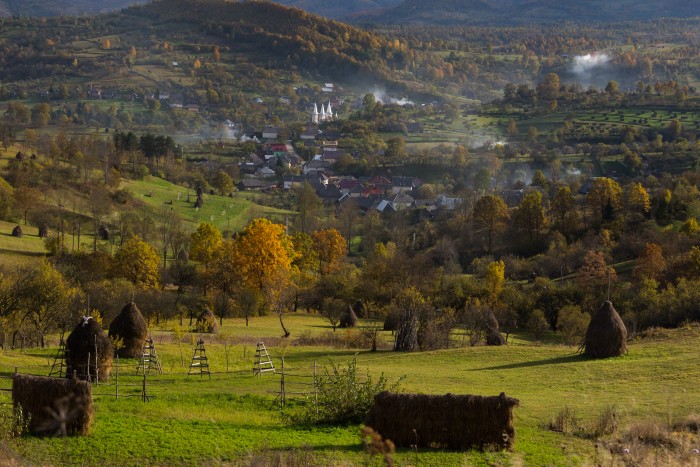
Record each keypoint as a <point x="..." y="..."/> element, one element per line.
<point x="326" y="114"/>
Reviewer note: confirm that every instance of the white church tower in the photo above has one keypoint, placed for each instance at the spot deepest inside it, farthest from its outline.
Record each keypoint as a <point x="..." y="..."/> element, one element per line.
<point x="314" y="116"/>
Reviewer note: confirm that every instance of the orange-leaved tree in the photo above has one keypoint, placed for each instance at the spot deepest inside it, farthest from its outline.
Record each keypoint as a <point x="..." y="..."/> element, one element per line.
<point x="330" y="247"/>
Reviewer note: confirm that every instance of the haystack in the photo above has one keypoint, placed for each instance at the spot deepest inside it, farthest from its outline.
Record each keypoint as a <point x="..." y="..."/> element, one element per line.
<point x="206" y="322"/>
<point x="348" y="318"/>
<point x="88" y="351"/>
<point x="17" y="232"/>
<point x="391" y="322"/>
<point x="103" y="232"/>
<point x="131" y="328"/>
<point x="54" y="406"/>
<point x="493" y="333"/>
<point x="359" y="309"/>
<point x="199" y="202"/>
<point x="43" y="231"/>
<point x="458" y="422"/>
<point x="606" y="335"/>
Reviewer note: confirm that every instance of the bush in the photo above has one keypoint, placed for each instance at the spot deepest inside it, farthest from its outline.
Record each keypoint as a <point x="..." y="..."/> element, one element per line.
<point x="565" y="422"/>
<point x="572" y="324"/>
<point x="344" y="398"/>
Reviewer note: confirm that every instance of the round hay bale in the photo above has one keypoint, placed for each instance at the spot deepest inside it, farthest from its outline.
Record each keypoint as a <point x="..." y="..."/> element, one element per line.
<point x="348" y="318"/>
<point x="86" y="340"/>
<point x="206" y="322"/>
<point x="54" y="406"/>
<point x="606" y="335"/>
<point x="17" y="232"/>
<point x="43" y="231"/>
<point x="131" y="328"/>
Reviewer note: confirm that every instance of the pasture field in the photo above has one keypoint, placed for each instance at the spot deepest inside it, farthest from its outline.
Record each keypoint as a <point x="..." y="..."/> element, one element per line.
<point x="232" y="418"/>
<point x="224" y="212"/>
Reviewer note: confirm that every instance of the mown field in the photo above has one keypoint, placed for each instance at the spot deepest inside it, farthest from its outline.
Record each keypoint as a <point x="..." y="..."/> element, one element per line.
<point x="224" y="212"/>
<point x="233" y="417"/>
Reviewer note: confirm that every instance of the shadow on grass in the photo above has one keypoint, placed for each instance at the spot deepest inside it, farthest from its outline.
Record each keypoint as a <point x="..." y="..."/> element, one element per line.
<point x="550" y="361"/>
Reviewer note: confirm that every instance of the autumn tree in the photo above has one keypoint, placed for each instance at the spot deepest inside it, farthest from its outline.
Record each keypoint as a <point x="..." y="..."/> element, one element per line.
<point x="491" y="213"/>
<point x="205" y="243"/>
<point x="651" y="264"/>
<point x="529" y="215"/>
<point x="562" y="208"/>
<point x="604" y="197"/>
<point x="330" y="248"/>
<point x="137" y="262"/>
<point x="395" y="149"/>
<point x="495" y="276"/>
<point x="259" y="251"/>
<point x="549" y="87"/>
<point x="637" y="199"/>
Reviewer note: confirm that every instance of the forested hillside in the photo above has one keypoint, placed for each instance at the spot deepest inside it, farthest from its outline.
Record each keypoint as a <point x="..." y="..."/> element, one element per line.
<point x="510" y="12"/>
<point x="39" y="8"/>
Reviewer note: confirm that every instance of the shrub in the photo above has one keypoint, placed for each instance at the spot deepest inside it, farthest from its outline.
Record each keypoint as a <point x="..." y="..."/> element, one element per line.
<point x="344" y="398"/>
<point x="565" y="422"/>
<point x="572" y="324"/>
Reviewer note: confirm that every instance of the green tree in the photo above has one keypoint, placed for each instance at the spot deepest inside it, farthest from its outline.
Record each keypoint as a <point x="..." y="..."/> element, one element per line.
<point x="549" y="87"/>
<point x="137" y="262"/>
<point x="573" y="323"/>
<point x="491" y="213"/>
<point x="612" y="87"/>
<point x="537" y="324"/>
<point x="308" y="205"/>
<point x="529" y="215"/>
<point x="223" y="183"/>
<point x="25" y="199"/>
<point x="395" y="149"/>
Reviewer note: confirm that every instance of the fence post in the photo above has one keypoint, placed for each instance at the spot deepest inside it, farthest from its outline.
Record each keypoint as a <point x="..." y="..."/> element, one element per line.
<point x="315" y="389"/>
<point x="116" y="391"/>
<point x="282" y="397"/>
<point x="143" y="391"/>
<point x="88" y="368"/>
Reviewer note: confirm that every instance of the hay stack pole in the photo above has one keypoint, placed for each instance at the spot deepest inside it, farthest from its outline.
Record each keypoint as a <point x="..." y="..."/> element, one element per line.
<point x="54" y="406"/>
<point x="606" y="335"/>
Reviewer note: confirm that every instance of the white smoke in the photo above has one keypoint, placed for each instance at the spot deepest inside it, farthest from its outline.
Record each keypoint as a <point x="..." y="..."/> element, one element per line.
<point x="381" y="96"/>
<point x="585" y="65"/>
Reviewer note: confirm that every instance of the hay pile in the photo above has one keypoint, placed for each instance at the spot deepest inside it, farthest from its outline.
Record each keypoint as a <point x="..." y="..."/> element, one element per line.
<point x="459" y="422"/>
<point x="348" y="319"/>
<point x="206" y="322"/>
<point x="606" y="335"/>
<point x="129" y="326"/>
<point x="17" y="232"/>
<point x="493" y="333"/>
<point x="86" y="340"/>
<point x="55" y="406"/>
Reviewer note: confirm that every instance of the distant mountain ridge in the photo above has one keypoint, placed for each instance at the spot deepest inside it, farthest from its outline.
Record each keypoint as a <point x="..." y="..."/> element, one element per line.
<point x="511" y="12"/>
<point x="38" y="8"/>
<point x="341" y="9"/>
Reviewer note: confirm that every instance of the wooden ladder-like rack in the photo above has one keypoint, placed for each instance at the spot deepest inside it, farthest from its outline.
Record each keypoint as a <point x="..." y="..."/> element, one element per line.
<point x="200" y="363"/>
<point x="263" y="362"/>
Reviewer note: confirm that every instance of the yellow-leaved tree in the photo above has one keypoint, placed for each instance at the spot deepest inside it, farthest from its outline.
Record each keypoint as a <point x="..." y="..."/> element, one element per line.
<point x="330" y="247"/>
<point x="495" y="276"/>
<point x="205" y="243"/>
<point x="604" y="196"/>
<point x="137" y="262"/>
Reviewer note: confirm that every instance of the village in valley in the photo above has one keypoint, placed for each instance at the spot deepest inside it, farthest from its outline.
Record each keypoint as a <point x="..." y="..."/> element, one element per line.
<point x="369" y="233"/>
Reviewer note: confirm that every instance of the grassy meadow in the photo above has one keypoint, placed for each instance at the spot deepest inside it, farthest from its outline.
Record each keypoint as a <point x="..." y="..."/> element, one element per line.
<point x="224" y="212"/>
<point x="233" y="417"/>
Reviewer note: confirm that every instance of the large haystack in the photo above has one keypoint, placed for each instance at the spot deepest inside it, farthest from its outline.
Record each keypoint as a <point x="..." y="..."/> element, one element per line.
<point x="606" y="335"/>
<point x="348" y="318"/>
<point x="206" y="322"/>
<point x="459" y="422"/>
<point x="131" y="328"/>
<point x="17" y="232"/>
<point x="88" y="352"/>
<point x="54" y="406"/>
<point x="493" y="333"/>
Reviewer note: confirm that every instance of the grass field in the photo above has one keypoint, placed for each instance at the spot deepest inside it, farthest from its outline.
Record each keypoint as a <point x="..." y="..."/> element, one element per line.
<point x="224" y="212"/>
<point x="232" y="417"/>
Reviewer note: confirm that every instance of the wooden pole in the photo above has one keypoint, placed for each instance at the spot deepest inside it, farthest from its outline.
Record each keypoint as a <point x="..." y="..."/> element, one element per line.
<point x="315" y="389"/>
<point x="143" y="390"/>
<point x="116" y="376"/>
<point x="282" y="386"/>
